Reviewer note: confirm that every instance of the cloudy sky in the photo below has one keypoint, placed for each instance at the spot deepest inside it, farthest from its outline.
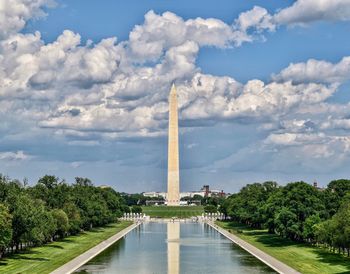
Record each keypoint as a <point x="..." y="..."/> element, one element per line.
<point x="263" y="90"/>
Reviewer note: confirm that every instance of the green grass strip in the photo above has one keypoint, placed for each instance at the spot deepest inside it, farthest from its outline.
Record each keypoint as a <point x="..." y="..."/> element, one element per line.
<point x="47" y="258"/>
<point x="303" y="257"/>
<point x="173" y="211"/>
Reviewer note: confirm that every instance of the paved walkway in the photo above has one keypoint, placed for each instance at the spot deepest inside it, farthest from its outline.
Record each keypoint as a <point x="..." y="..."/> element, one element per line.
<point x="74" y="264"/>
<point x="262" y="256"/>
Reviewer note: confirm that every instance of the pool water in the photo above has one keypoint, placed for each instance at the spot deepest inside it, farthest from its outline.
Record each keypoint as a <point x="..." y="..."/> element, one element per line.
<point x="174" y="248"/>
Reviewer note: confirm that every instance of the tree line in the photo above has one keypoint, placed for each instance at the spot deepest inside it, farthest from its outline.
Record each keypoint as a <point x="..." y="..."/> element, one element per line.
<point x="140" y="199"/>
<point x="52" y="209"/>
<point x="297" y="211"/>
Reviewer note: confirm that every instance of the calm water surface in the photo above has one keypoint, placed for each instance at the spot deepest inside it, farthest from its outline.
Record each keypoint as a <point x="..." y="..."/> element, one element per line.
<point x="174" y="248"/>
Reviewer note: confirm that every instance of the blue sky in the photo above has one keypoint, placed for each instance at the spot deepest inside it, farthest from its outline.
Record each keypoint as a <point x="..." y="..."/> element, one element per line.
<point x="263" y="90"/>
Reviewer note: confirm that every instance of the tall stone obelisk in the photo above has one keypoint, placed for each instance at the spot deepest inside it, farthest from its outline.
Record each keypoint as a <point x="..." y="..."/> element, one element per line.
<point x="173" y="197"/>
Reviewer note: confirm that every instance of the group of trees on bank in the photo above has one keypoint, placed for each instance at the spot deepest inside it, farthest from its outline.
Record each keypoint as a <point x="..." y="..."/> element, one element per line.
<point x="137" y="199"/>
<point x="52" y="209"/>
<point x="297" y="211"/>
<point x="205" y="201"/>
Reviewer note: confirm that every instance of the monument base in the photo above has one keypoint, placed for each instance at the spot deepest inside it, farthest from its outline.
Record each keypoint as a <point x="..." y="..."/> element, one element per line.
<point x="173" y="203"/>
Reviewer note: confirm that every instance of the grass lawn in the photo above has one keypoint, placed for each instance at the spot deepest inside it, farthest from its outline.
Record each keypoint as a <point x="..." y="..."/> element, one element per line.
<point x="302" y="257"/>
<point x="47" y="258"/>
<point x="173" y="211"/>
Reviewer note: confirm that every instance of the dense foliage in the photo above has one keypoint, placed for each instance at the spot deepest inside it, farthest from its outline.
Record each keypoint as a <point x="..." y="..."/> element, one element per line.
<point x="297" y="211"/>
<point x="210" y="209"/>
<point x="52" y="209"/>
<point x="200" y="200"/>
<point x="139" y="199"/>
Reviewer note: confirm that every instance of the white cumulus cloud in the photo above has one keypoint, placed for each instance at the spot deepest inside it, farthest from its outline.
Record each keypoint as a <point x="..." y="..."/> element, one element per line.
<point x="84" y="92"/>
<point x="14" y="156"/>
<point x="15" y="13"/>
<point x="316" y="71"/>
<point x="307" y="11"/>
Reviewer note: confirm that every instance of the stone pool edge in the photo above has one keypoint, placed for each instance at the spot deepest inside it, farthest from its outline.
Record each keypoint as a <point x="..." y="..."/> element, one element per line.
<point x="270" y="261"/>
<point x="83" y="258"/>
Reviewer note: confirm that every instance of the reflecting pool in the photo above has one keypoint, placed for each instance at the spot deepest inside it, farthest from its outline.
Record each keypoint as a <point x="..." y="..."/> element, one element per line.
<point x="174" y="248"/>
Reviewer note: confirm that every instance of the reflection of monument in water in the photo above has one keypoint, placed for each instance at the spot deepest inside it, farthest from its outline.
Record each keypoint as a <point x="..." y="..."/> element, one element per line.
<point x="173" y="232"/>
<point x="173" y="196"/>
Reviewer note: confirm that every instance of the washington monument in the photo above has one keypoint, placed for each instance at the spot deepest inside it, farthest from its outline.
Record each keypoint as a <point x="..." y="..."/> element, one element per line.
<point x="173" y="197"/>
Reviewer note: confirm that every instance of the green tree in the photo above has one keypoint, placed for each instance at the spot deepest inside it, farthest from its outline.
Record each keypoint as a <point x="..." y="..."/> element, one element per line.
<point x="334" y="195"/>
<point x="74" y="218"/>
<point x="340" y="187"/>
<point x="53" y="208"/>
<point x="210" y="209"/>
<point x="48" y="181"/>
<point x="310" y="227"/>
<point x="113" y="201"/>
<point x="247" y="205"/>
<point x="136" y="209"/>
<point x="43" y="225"/>
<point x="286" y="223"/>
<point x="224" y="208"/>
<point x="22" y="208"/>
<point x="134" y="199"/>
<point x="83" y="181"/>
<point x="62" y="223"/>
<point x="53" y="192"/>
<point x="9" y="188"/>
<point x="49" y="226"/>
<point x="325" y="232"/>
<point x="197" y="197"/>
<point x="273" y="204"/>
<point x="342" y="227"/>
<point x="5" y="228"/>
<point x="298" y="201"/>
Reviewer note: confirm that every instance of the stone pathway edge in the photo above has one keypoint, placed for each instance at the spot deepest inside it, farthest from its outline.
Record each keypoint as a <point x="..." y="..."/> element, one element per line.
<point x="272" y="262"/>
<point x="83" y="258"/>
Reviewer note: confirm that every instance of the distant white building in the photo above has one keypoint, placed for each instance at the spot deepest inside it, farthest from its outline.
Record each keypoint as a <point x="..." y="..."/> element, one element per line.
<point x="204" y="192"/>
<point x="154" y="194"/>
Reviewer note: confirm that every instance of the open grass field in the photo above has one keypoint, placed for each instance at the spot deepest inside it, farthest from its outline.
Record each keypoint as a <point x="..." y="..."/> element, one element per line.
<point x="173" y="211"/>
<point x="302" y="257"/>
<point x="47" y="258"/>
